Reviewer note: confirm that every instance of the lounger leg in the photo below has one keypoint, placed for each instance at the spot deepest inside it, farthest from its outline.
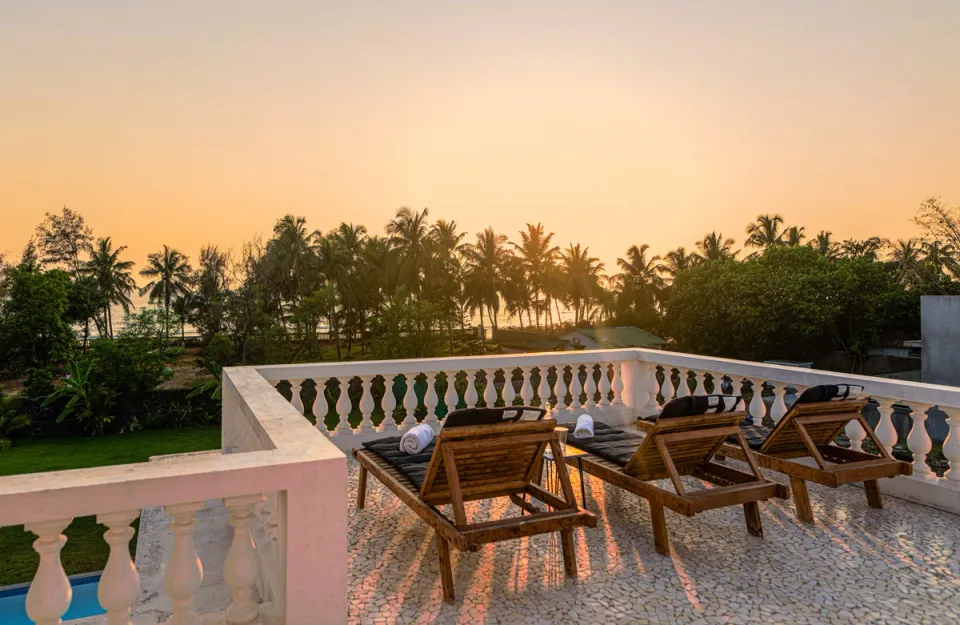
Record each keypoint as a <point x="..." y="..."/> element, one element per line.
<point x="751" y="511"/>
<point x="660" y="538"/>
<point x="874" y="498"/>
<point x="801" y="498"/>
<point x="569" y="554"/>
<point x="446" y="568"/>
<point x="362" y="487"/>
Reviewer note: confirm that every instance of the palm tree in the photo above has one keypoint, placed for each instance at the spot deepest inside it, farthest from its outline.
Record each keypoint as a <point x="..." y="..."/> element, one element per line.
<point x="112" y="276"/>
<point x="517" y="295"/>
<point x="582" y="273"/>
<point x="679" y="260"/>
<point x="715" y="247"/>
<point x="793" y="236"/>
<point x="765" y="231"/>
<point x="639" y="281"/>
<point x="940" y="256"/>
<point x="408" y="235"/>
<point x="824" y="244"/>
<point x="485" y="262"/>
<point x="905" y="257"/>
<point x="170" y="277"/>
<point x="539" y="256"/>
<point x="867" y="248"/>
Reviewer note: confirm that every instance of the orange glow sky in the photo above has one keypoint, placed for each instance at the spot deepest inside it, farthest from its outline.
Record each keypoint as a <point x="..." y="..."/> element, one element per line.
<point x="613" y="123"/>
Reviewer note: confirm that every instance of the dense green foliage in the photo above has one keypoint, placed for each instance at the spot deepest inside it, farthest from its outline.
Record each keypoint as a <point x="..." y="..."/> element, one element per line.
<point x="788" y="302"/>
<point x="34" y="328"/>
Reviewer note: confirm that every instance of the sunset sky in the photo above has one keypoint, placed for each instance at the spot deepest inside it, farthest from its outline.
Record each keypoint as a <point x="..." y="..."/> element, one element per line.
<point x="613" y="123"/>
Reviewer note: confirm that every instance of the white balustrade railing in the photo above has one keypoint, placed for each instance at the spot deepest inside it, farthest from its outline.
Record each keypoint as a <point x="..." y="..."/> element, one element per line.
<point x="616" y="386"/>
<point x="282" y="543"/>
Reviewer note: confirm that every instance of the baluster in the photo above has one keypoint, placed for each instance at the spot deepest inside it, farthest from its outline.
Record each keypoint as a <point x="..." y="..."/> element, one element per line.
<point x="410" y="402"/>
<point x="344" y="406"/>
<point x="576" y="390"/>
<point x="119" y="584"/>
<point x="605" y="386"/>
<point x="450" y="396"/>
<point x="184" y="572"/>
<point x="590" y="387"/>
<point x="779" y="407"/>
<point x="508" y="394"/>
<point x="320" y="407"/>
<point x="50" y="593"/>
<point x="526" y="391"/>
<point x="561" y="388"/>
<point x="366" y="404"/>
<point x="666" y="387"/>
<point x="295" y="399"/>
<point x="653" y="388"/>
<point x="757" y="409"/>
<point x="617" y="384"/>
<point x="388" y="403"/>
<point x="430" y="399"/>
<point x="885" y="430"/>
<point x="490" y="389"/>
<point x="543" y="389"/>
<point x="683" y="388"/>
<point x="241" y="569"/>
<point x="919" y="440"/>
<point x="855" y="433"/>
<point x="799" y="388"/>
<point x="700" y="380"/>
<point x="471" y="397"/>
<point x="951" y="446"/>
<point x="718" y="383"/>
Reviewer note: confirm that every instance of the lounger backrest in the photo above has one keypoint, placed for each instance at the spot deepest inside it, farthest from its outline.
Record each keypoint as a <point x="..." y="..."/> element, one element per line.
<point x="692" y="447"/>
<point x="487" y="458"/>
<point x="824" y="411"/>
<point x="700" y="404"/>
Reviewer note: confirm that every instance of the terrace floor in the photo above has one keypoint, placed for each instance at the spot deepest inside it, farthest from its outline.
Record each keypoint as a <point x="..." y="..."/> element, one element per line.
<point x="856" y="565"/>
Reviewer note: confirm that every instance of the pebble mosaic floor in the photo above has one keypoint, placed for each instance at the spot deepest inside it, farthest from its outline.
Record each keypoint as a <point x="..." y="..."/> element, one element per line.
<point x="856" y="565"/>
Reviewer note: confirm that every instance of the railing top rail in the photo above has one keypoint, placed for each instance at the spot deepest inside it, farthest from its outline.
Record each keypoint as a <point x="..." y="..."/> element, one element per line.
<point x="917" y="392"/>
<point x="303" y="371"/>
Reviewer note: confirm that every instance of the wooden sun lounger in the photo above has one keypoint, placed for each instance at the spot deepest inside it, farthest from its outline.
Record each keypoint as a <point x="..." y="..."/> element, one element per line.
<point x="681" y="446"/>
<point x="808" y="430"/>
<point x="475" y="462"/>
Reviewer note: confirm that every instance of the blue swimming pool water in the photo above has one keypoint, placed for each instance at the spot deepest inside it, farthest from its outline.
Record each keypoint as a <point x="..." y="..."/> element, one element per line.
<point x="84" y="602"/>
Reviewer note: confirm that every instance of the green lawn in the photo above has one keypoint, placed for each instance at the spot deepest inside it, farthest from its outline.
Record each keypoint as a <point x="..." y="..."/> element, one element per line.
<point x="85" y="550"/>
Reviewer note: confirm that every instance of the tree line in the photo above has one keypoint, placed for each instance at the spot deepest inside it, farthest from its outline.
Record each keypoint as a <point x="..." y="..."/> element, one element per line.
<point x="408" y="291"/>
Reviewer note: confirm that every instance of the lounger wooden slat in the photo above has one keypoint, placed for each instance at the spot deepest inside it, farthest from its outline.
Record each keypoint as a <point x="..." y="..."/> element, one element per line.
<point x="474" y="462"/>
<point x="809" y="430"/>
<point x="684" y="446"/>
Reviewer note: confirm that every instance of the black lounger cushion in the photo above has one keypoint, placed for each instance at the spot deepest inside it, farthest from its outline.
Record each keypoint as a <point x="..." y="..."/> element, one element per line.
<point x="413" y="466"/>
<point x="829" y="392"/>
<point x="608" y="442"/>
<point x="697" y="404"/>
<point x="490" y="416"/>
<point x="756" y="435"/>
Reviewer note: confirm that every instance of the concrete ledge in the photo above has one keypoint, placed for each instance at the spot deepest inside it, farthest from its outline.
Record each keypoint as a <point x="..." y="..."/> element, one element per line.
<point x="937" y="493"/>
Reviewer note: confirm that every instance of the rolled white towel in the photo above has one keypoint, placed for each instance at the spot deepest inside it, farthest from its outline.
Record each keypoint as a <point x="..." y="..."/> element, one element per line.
<point x="584" y="427"/>
<point x="416" y="439"/>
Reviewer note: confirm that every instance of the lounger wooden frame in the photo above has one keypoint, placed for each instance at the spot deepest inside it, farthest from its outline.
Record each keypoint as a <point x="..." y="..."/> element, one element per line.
<point x="681" y="446"/>
<point x="809" y="431"/>
<point x="485" y="462"/>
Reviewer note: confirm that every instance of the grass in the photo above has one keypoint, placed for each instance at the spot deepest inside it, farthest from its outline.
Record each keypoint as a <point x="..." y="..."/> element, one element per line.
<point x="85" y="550"/>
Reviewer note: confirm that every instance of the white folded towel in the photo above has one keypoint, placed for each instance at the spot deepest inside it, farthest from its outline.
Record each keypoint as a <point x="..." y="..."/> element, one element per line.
<point x="416" y="439"/>
<point x="584" y="427"/>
